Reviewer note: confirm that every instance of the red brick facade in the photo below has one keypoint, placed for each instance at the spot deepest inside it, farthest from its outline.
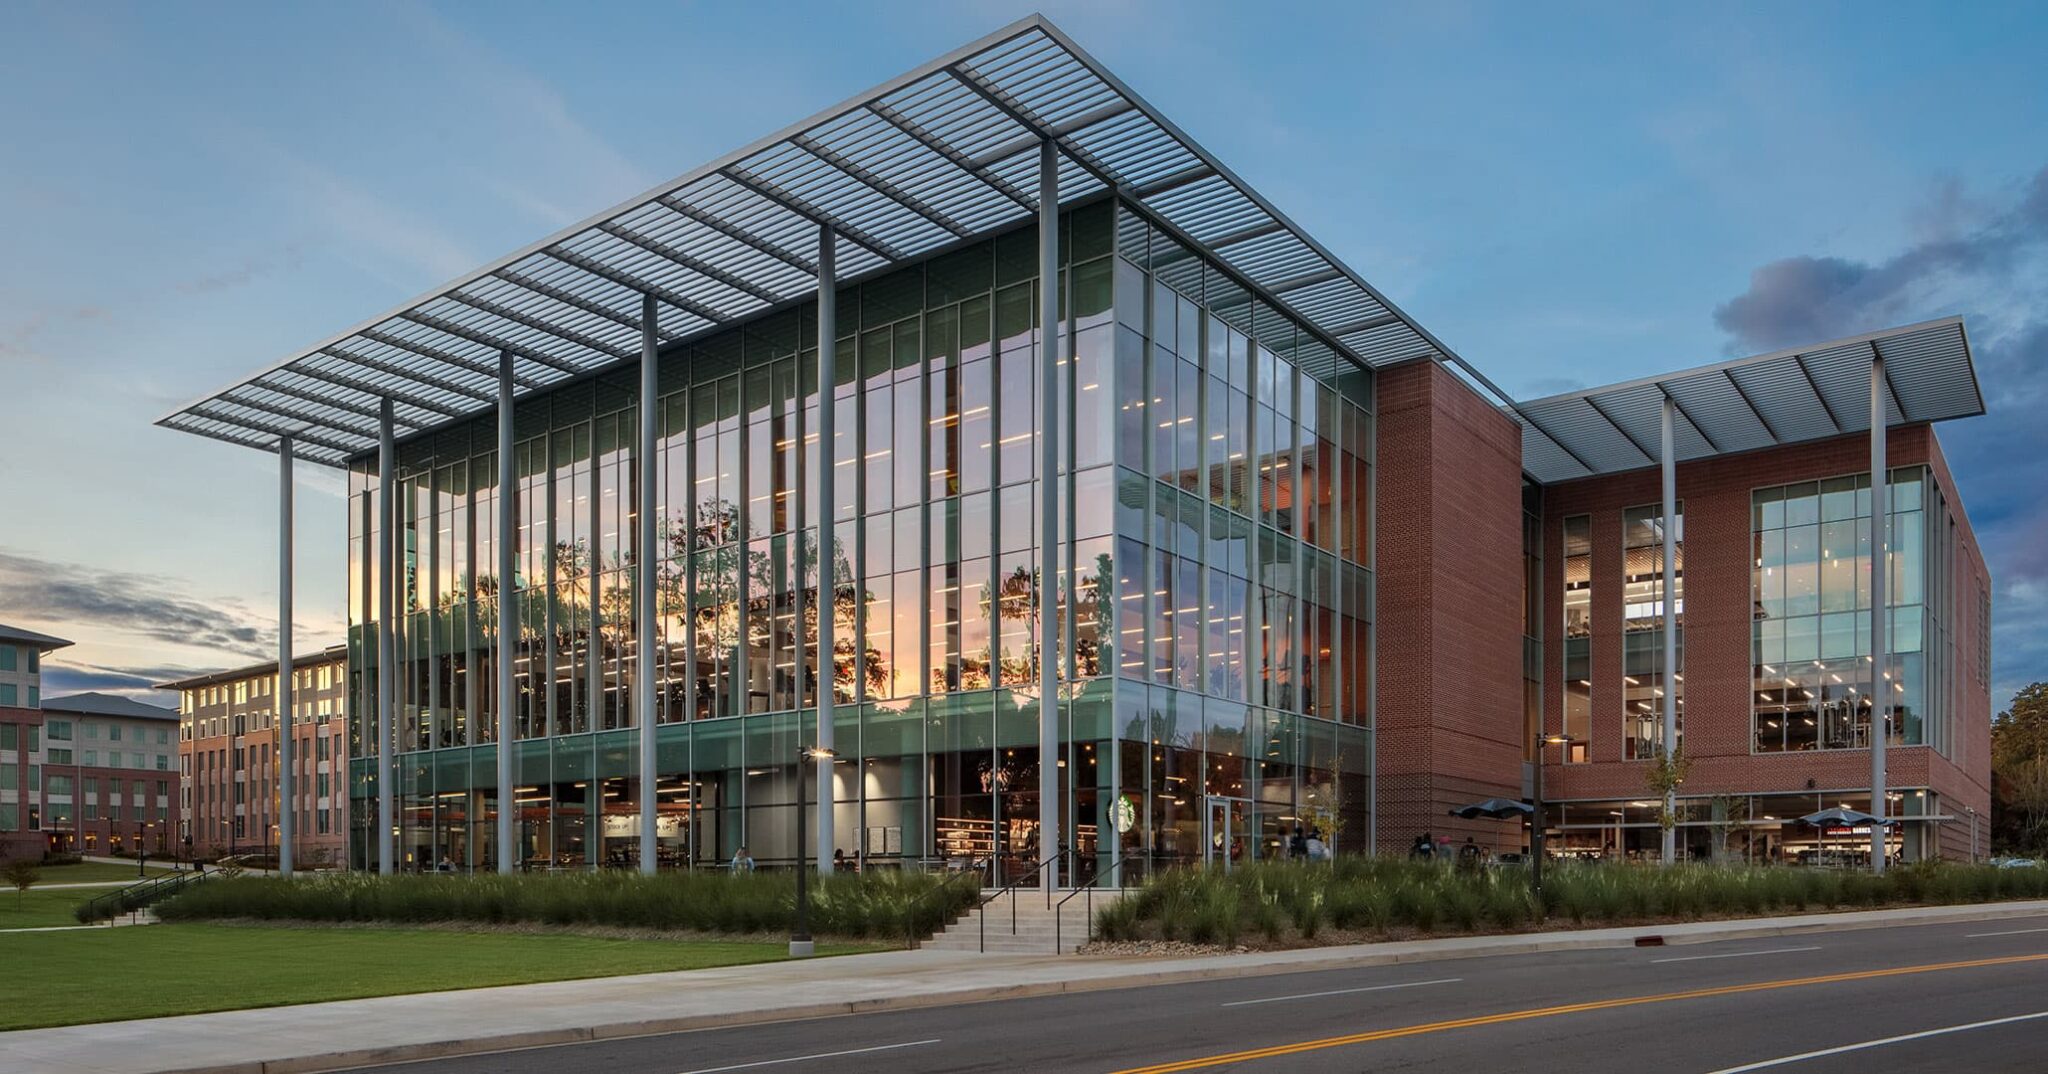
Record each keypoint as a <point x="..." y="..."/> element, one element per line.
<point x="1718" y="615"/>
<point x="1449" y="629"/>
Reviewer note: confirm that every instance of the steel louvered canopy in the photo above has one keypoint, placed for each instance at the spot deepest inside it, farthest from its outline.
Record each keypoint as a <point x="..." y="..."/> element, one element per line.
<point x="936" y="155"/>
<point x="1786" y="397"/>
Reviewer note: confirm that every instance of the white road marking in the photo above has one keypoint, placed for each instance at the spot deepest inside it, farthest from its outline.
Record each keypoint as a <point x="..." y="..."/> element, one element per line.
<point x="1735" y="954"/>
<point x="820" y="1055"/>
<point x="2013" y="932"/>
<point x="1803" y="1056"/>
<point x="1345" y="991"/>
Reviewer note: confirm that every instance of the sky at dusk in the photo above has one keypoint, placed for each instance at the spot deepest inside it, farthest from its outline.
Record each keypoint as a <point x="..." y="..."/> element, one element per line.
<point x="1565" y="196"/>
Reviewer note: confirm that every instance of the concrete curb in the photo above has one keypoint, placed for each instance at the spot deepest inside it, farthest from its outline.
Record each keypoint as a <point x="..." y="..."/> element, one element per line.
<point x="1302" y="961"/>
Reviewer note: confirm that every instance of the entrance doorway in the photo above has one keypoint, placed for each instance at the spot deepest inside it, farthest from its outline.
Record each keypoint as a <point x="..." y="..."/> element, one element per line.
<point x="1226" y="830"/>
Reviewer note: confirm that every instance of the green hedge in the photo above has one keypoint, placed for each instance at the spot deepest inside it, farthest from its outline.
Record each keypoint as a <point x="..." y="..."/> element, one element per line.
<point x="1284" y="901"/>
<point x="883" y="904"/>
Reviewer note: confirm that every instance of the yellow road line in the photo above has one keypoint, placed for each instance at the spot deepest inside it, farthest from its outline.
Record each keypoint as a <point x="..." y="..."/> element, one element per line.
<point x="1572" y="1008"/>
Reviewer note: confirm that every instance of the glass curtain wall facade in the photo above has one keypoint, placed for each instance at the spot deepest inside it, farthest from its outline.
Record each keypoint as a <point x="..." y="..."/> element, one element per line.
<point x="1644" y="679"/>
<point x="1212" y="604"/>
<point x="1811" y="588"/>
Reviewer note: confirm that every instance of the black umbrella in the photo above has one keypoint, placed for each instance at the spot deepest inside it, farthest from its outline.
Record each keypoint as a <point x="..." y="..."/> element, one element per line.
<point x="1497" y="808"/>
<point x="1842" y="817"/>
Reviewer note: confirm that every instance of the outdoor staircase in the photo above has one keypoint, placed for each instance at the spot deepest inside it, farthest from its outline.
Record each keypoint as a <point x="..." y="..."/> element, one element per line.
<point x="1036" y="931"/>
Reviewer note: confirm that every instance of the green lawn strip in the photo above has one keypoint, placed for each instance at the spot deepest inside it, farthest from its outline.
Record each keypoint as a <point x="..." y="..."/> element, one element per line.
<point x="42" y="909"/>
<point x="93" y="872"/>
<point x="68" y="978"/>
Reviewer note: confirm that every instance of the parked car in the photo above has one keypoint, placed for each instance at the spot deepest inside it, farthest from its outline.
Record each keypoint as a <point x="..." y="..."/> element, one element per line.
<point x="2016" y="863"/>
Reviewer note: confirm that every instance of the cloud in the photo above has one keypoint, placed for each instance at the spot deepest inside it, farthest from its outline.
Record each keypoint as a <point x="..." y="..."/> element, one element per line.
<point x="1986" y="258"/>
<point x="137" y="683"/>
<point x="79" y="598"/>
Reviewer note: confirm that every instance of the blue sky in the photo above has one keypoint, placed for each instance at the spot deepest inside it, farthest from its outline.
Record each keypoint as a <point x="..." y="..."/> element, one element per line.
<point x="1566" y="195"/>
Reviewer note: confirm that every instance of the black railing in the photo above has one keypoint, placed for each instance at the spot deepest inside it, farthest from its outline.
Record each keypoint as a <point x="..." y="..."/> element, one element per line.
<point x="134" y="897"/>
<point x="1011" y="889"/>
<point x="1059" y="909"/>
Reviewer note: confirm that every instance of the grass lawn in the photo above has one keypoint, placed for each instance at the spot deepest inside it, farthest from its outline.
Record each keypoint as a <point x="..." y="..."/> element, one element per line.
<point x="92" y="872"/>
<point x="65" y="978"/>
<point x="41" y="909"/>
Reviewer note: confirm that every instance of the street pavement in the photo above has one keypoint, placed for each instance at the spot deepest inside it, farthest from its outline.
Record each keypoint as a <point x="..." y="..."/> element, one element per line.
<point x="1964" y="996"/>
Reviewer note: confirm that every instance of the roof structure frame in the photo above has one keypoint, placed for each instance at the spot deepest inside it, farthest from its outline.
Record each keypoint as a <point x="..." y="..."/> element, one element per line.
<point x="940" y="153"/>
<point x="1764" y="400"/>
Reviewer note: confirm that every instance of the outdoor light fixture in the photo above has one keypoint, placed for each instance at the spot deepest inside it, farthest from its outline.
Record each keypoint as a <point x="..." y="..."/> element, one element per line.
<point x="800" y="945"/>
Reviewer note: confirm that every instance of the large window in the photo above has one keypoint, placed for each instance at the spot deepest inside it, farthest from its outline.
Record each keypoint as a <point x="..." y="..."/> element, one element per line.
<point x="1644" y="677"/>
<point x="1578" y="635"/>
<point x="1810" y="589"/>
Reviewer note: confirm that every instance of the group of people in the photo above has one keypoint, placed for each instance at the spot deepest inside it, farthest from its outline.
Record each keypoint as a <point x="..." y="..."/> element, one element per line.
<point x="1308" y="845"/>
<point x="743" y="862"/>
<point x="1427" y="849"/>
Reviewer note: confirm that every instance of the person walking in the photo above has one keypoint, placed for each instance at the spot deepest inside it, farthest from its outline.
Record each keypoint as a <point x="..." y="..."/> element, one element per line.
<point x="1297" y="845"/>
<point x="1424" y="848"/>
<point x="743" y="862"/>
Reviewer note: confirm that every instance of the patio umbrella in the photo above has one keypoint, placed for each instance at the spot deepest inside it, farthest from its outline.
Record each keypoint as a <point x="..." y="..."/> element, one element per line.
<point x="1497" y="808"/>
<point x="1840" y="817"/>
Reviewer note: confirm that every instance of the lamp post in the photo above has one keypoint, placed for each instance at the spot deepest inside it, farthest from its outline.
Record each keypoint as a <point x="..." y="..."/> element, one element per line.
<point x="1972" y="811"/>
<point x="142" y="849"/>
<point x="1539" y="820"/>
<point x="800" y="945"/>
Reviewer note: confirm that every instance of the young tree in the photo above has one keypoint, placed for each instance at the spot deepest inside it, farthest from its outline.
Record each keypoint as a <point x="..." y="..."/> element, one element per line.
<point x="23" y="875"/>
<point x="2019" y="771"/>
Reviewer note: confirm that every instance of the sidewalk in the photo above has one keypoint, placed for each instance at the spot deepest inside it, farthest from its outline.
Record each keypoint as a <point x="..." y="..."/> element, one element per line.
<point x="329" y="1036"/>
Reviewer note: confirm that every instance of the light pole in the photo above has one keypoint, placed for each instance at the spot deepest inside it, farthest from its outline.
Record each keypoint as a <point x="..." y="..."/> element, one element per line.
<point x="1539" y="820"/>
<point x="142" y="849"/>
<point x="1972" y="811"/>
<point x="800" y="945"/>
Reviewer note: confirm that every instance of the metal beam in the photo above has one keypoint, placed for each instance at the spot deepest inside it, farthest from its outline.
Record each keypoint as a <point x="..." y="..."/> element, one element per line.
<point x="695" y="264"/>
<point x="344" y="405"/>
<point x="770" y="190"/>
<point x="204" y="410"/>
<point x="1306" y="279"/>
<point x="646" y="558"/>
<point x="1167" y="183"/>
<point x="430" y="380"/>
<point x="1030" y="121"/>
<point x="1050" y="796"/>
<point x="1696" y="426"/>
<point x="381" y="391"/>
<point x="1890" y="388"/>
<point x="561" y="332"/>
<point x="958" y="159"/>
<point x="827" y="676"/>
<point x="495" y="342"/>
<point x="1648" y="455"/>
<point x="569" y="298"/>
<point x="1257" y="231"/>
<point x="644" y="286"/>
<point x="739" y="234"/>
<point x="881" y="185"/>
<point x="1729" y="376"/>
<point x="508" y="620"/>
<point x="1366" y="325"/>
<point x="1029" y="142"/>
<point x="287" y="751"/>
<point x="1814" y="386"/>
<point x="387" y="606"/>
<point x="1559" y="441"/>
<point x="1880" y="610"/>
<point x="316" y="421"/>
<point x="435" y="353"/>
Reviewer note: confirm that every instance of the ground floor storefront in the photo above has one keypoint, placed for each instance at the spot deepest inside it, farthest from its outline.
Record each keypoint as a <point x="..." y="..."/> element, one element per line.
<point x="1765" y="829"/>
<point x="1148" y="778"/>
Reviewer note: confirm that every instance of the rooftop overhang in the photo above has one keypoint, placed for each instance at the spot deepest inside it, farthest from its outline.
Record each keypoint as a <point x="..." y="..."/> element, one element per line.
<point x="1786" y="397"/>
<point x="947" y="151"/>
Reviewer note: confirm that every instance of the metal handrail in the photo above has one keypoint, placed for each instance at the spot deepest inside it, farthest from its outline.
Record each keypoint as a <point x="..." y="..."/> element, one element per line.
<point x="1058" y="914"/>
<point x="134" y="896"/>
<point x="981" y="920"/>
<point x="910" y="919"/>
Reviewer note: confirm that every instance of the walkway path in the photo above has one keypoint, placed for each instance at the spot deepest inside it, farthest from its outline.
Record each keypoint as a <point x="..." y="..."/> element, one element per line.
<point x="328" y="1036"/>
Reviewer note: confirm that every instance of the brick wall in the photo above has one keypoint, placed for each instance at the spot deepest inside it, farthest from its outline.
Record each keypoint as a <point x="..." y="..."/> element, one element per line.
<point x="1449" y="532"/>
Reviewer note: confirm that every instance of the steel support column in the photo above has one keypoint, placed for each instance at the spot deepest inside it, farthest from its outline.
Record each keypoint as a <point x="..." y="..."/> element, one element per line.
<point x="644" y="569"/>
<point x="508" y="621"/>
<point x="387" y="589"/>
<point x="828" y="583"/>
<point x="287" y="755"/>
<point x="1880" y="566"/>
<point x="1049" y="793"/>
<point x="1668" y="463"/>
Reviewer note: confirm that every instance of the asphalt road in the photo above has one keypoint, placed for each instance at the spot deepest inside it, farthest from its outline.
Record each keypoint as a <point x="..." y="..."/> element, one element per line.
<point x="1963" y="997"/>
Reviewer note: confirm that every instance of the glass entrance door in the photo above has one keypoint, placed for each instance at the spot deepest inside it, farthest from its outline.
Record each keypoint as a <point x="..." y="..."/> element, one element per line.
<point x="1226" y="830"/>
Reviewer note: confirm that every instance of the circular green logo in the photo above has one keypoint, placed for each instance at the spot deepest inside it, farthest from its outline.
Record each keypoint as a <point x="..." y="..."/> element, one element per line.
<point x="1123" y="814"/>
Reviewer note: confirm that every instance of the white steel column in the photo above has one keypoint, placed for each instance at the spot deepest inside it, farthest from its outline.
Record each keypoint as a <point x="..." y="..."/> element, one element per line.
<point x="1049" y="842"/>
<point x="387" y="589"/>
<point x="1670" y="468"/>
<point x="508" y="621"/>
<point x="287" y="756"/>
<point x="644" y="567"/>
<point x="1880" y="568"/>
<point x="828" y="583"/>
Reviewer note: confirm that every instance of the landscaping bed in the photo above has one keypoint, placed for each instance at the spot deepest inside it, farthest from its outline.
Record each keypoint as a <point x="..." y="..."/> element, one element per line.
<point x="1362" y="900"/>
<point x="886" y="905"/>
